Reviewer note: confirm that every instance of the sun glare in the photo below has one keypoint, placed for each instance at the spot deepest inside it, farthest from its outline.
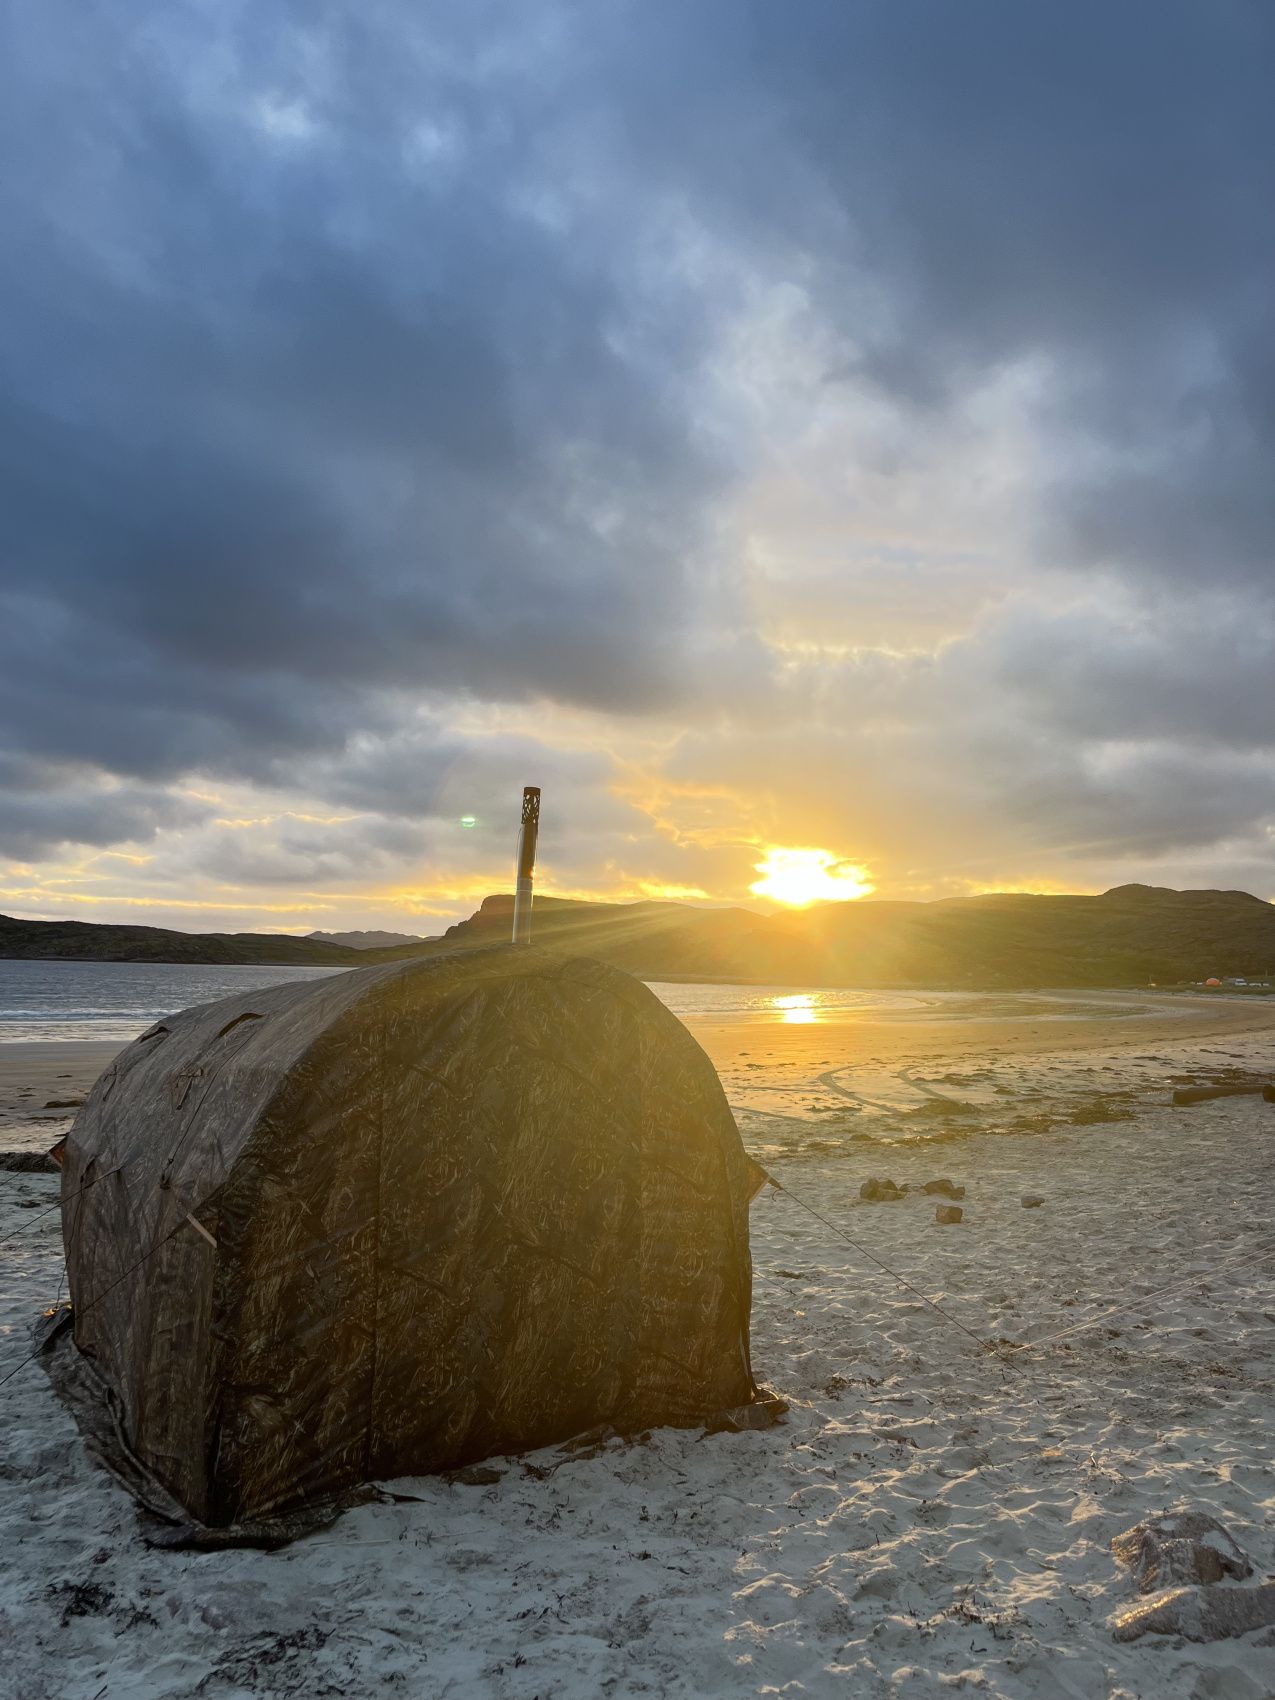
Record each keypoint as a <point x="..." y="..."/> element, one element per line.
<point x="798" y="877"/>
<point x="798" y="1008"/>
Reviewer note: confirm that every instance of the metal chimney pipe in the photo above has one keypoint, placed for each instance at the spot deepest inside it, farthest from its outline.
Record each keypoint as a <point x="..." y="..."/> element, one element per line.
<point x="528" y="832"/>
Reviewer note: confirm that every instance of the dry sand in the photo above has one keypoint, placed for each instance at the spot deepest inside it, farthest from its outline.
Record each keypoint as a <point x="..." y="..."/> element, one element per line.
<point x="929" y="1519"/>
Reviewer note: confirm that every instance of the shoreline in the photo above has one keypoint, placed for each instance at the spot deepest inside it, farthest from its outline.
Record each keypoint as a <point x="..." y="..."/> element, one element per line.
<point x="35" y="1073"/>
<point x="989" y="1028"/>
<point x="1184" y="988"/>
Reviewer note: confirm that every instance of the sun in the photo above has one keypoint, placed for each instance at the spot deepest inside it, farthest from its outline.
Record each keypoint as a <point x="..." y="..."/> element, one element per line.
<point x="798" y="877"/>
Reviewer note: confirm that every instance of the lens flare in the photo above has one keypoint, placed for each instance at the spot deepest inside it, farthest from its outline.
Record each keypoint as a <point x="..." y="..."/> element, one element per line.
<point x="798" y="877"/>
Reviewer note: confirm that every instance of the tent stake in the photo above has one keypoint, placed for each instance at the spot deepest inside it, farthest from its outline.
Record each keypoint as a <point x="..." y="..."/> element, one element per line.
<point x="527" y="835"/>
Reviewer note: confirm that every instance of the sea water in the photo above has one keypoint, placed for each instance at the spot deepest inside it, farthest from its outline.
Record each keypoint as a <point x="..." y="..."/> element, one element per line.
<point x="118" y="1000"/>
<point x="109" y="1001"/>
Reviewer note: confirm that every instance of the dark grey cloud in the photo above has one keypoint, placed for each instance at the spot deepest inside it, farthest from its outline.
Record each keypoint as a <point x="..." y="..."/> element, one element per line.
<point x="297" y="854"/>
<point x="45" y="808"/>
<point x="1191" y="671"/>
<point x="1087" y="185"/>
<point x="1136" y="802"/>
<point x="414" y="788"/>
<point x="349" y="361"/>
<point x="420" y="808"/>
<point x="291" y="419"/>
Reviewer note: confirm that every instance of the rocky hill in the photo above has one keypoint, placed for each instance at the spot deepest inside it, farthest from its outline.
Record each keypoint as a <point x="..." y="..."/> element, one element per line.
<point x="655" y="941"/>
<point x="1131" y="935"/>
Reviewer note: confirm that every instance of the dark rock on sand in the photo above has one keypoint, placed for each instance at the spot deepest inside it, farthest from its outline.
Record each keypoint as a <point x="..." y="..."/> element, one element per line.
<point x="1204" y="1094"/>
<point x="944" y="1188"/>
<point x="28" y="1162"/>
<point x="948" y="1213"/>
<point x="1032" y="1201"/>
<point x="880" y="1192"/>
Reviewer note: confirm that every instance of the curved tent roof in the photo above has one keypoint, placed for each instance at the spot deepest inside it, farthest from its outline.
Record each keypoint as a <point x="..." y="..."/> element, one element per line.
<point x="401" y="1219"/>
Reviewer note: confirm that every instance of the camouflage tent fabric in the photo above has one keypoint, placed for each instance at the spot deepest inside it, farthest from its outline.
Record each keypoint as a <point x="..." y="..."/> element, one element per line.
<point x="401" y="1219"/>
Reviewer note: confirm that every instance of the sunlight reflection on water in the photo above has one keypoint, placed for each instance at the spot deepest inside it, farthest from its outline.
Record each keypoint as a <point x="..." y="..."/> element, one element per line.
<point x="797" y="1007"/>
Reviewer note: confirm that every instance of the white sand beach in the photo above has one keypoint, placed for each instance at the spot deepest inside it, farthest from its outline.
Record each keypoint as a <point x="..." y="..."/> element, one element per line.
<point x="933" y="1515"/>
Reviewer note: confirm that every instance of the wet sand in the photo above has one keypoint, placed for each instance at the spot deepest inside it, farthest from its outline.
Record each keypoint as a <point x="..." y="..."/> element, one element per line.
<point x="983" y="1024"/>
<point x="35" y="1075"/>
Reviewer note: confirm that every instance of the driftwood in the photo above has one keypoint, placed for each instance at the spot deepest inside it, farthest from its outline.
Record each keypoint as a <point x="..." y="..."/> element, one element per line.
<point x="1202" y="1094"/>
<point x="401" y="1219"/>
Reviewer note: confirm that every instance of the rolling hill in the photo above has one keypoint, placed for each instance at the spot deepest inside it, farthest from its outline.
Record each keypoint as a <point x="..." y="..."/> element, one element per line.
<point x="87" y="941"/>
<point x="1125" y="937"/>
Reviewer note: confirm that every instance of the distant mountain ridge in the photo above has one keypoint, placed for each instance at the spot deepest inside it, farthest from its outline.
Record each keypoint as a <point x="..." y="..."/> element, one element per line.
<point x="1128" y="936"/>
<point x="368" y="940"/>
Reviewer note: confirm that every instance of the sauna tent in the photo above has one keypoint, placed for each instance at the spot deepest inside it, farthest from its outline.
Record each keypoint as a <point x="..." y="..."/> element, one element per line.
<point x="398" y="1220"/>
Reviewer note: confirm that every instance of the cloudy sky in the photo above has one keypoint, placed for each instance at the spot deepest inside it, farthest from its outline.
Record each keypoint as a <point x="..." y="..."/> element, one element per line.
<point x="844" y="426"/>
